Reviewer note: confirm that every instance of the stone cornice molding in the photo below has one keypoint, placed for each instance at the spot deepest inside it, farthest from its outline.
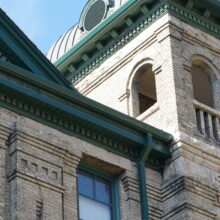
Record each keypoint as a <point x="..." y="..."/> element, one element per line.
<point x="185" y="14"/>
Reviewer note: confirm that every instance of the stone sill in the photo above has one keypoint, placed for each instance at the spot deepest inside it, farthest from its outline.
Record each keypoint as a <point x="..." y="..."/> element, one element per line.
<point x="148" y="112"/>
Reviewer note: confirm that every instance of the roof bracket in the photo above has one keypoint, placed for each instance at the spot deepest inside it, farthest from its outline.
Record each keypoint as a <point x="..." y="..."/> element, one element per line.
<point x="207" y="13"/>
<point x="190" y="4"/>
<point x="71" y="67"/>
<point x="128" y="21"/>
<point x="99" y="45"/>
<point x="144" y="9"/>
<point x="85" y="57"/>
<point x="113" y="33"/>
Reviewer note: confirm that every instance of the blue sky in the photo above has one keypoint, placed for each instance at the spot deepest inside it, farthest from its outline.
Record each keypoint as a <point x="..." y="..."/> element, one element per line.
<point x="43" y="21"/>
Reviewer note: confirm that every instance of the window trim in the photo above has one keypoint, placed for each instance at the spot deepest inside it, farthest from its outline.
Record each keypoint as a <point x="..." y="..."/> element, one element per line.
<point x="115" y="207"/>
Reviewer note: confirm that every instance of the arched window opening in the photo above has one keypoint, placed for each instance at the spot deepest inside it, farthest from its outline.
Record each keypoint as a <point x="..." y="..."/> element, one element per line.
<point x="202" y="85"/>
<point x="144" y="89"/>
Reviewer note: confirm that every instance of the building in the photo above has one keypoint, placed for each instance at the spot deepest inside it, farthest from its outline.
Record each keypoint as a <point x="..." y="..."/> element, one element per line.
<point x="156" y="156"/>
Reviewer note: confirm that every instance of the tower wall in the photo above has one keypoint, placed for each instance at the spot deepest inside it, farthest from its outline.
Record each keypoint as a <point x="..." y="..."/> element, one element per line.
<point x="190" y="182"/>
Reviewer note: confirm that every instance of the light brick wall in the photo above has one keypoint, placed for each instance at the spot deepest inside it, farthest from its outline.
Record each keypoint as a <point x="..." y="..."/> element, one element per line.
<point x="189" y="188"/>
<point x="110" y="83"/>
<point x="42" y="165"/>
<point x="3" y="166"/>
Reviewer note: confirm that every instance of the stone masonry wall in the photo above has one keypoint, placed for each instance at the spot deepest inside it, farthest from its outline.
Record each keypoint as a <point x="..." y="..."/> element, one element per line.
<point x="38" y="171"/>
<point x="189" y="185"/>
<point x="110" y="83"/>
<point x="40" y="175"/>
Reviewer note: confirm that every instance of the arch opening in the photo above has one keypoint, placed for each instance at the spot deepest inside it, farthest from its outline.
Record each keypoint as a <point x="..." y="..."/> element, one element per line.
<point x="143" y="89"/>
<point x="202" y="83"/>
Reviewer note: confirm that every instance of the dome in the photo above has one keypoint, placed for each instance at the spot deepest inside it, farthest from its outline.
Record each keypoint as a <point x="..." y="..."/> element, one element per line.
<point x="94" y="12"/>
<point x="64" y="43"/>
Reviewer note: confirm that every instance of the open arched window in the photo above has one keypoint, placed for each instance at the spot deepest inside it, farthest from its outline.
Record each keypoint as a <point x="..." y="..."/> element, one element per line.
<point x="202" y="83"/>
<point x="143" y="89"/>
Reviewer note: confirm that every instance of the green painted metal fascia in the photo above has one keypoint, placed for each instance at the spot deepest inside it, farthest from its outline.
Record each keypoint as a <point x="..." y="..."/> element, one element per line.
<point x="143" y="191"/>
<point x="25" y="76"/>
<point x="134" y="137"/>
<point x="66" y="109"/>
<point x="95" y="31"/>
<point x="161" y="147"/>
<point x="86" y="103"/>
<point x="194" y="19"/>
<point x="32" y="50"/>
<point x="66" y="131"/>
<point x="120" y="118"/>
<point x="214" y="5"/>
<point x="70" y="132"/>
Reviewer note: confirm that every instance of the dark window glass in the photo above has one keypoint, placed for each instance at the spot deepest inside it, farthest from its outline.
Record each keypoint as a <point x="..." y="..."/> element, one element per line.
<point x="202" y="87"/>
<point x="86" y="184"/>
<point x="103" y="190"/>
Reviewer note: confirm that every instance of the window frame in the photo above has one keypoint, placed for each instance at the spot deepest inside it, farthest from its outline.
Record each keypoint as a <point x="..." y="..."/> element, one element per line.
<point x="115" y="206"/>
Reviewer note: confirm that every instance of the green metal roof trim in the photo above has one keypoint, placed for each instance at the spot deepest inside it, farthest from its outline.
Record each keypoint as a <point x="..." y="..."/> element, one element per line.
<point x="49" y="101"/>
<point x="16" y="40"/>
<point x="202" y="14"/>
<point x="95" y="31"/>
<point x="73" y="114"/>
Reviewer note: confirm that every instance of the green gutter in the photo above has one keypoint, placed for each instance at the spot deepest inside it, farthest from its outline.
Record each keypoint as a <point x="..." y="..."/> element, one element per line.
<point x="45" y="109"/>
<point x="77" y="99"/>
<point x="95" y="31"/>
<point x="72" y="111"/>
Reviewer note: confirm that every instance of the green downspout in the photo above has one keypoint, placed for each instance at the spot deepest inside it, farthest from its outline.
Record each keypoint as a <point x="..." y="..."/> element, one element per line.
<point x="143" y="191"/>
<point x="142" y="176"/>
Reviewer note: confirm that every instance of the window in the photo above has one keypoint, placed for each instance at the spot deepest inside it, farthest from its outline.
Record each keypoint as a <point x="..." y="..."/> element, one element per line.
<point x="202" y="85"/>
<point x="97" y="195"/>
<point x="143" y="90"/>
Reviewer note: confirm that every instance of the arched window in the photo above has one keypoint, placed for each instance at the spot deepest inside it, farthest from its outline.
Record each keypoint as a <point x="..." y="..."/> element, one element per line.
<point x="143" y="89"/>
<point x="202" y="83"/>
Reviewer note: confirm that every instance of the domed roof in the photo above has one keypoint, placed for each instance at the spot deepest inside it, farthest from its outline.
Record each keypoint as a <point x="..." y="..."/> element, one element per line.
<point x="94" y="12"/>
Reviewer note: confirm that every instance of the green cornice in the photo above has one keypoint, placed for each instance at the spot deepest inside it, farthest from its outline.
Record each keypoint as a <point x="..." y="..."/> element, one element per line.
<point x="202" y="14"/>
<point x="119" y="42"/>
<point x="191" y="17"/>
<point x="73" y="114"/>
<point x="81" y="101"/>
<point x="25" y="77"/>
<point x="94" y="33"/>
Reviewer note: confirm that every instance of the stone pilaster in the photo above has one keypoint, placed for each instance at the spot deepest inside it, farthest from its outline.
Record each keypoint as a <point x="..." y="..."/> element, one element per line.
<point x="4" y="134"/>
<point x="70" y="199"/>
<point x="131" y="191"/>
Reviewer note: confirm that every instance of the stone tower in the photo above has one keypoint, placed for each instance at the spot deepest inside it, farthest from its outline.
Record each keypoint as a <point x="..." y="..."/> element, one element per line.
<point x="157" y="61"/>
